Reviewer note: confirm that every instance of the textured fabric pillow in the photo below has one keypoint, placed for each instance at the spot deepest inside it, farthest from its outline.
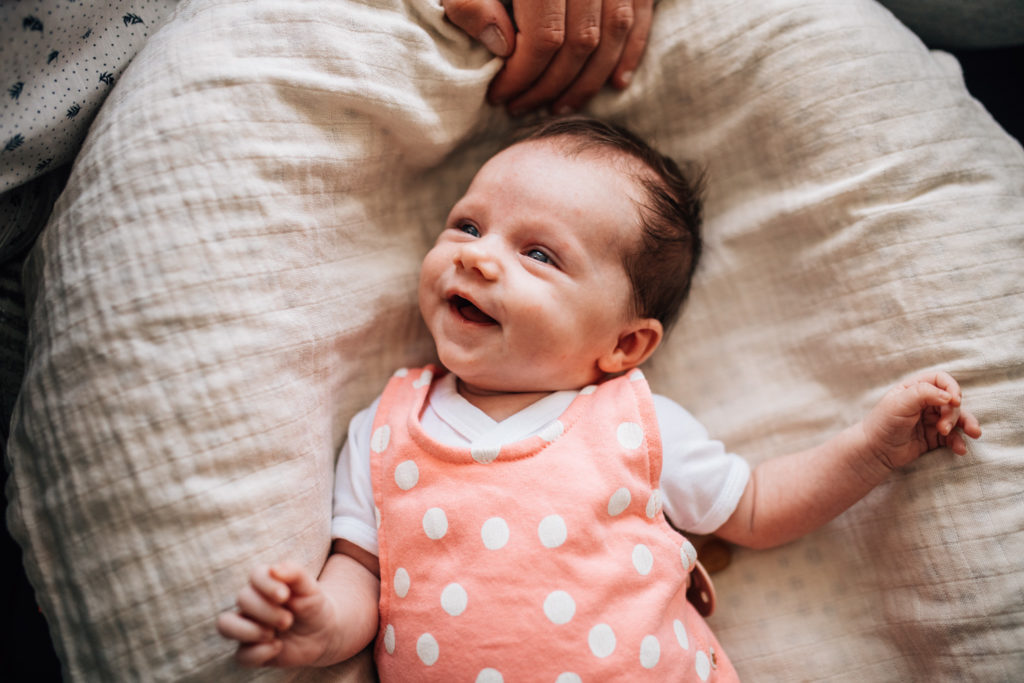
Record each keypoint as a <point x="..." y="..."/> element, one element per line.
<point x="230" y="275"/>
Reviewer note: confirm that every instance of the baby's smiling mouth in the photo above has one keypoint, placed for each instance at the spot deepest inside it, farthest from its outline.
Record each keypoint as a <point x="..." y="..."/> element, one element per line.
<point x="469" y="311"/>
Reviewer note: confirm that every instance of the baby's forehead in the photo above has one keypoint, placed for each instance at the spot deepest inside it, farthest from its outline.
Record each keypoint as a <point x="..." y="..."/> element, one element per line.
<point x="621" y="165"/>
<point x="583" y="150"/>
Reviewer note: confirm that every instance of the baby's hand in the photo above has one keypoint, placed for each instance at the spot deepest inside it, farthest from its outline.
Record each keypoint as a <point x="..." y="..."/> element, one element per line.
<point x="921" y="414"/>
<point x="283" y="618"/>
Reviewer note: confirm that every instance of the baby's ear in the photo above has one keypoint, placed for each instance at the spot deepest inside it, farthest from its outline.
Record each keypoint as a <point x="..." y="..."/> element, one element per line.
<point x="636" y="343"/>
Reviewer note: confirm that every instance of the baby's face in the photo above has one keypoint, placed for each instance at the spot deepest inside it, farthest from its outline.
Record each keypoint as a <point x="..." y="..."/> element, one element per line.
<point x="525" y="288"/>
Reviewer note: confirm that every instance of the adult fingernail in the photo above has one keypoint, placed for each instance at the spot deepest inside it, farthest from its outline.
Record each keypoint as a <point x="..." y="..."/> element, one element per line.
<point x="494" y="41"/>
<point x="562" y="110"/>
<point x="626" y="78"/>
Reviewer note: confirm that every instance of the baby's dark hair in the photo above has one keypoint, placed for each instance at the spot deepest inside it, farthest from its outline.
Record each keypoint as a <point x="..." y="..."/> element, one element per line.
<point x="661" y="268"/>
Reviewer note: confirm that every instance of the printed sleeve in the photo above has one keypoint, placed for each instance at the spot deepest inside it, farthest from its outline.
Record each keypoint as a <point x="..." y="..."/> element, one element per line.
<point x="354" y="517"/>
<point x="701" y="482"/>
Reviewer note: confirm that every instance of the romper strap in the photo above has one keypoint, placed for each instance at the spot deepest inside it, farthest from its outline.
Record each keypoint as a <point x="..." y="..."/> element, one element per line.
<point x="701" y="593"/>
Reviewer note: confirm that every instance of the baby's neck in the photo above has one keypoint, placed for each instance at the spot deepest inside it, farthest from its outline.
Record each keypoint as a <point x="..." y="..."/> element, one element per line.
<point x="498" y="405"/>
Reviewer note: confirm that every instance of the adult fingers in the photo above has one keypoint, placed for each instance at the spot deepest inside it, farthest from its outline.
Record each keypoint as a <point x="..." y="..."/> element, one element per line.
<point x="636" y="43"/>
<point x="541" y="34"/>
<point x="582" y="37"/>
<point x="616" y="23"/>
<point x="484" y="20"/>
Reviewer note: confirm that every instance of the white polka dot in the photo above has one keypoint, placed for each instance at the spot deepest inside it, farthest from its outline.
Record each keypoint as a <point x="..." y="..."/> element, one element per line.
<point x="424" y="379"/>
<point x="407" y="474"/>
<point x="435" y="523"/>
<point x="643" y="559"/>
<point x="559" y="607"/>
<point x="601" y="640"/>
<point x="684" y="640"/>
<point x="490" y="676"/>
<point x="389" y="639"/>
<point x="654" y="504"/>
<point x="494" y="533"/>
<point x="552" y="531"/>
<point x="379" y="440"/>
<point x="454" y="599"/>
<point x="589" y="389"/>
<point x="619" y="501"/>
<point x="688" y="554"/>
<point x="552" y="431"/>
<point x="568" y="677"/>
<point x="376" y="515"/>
<point x="485" y="454"/>
<point x="427" y="649"/>
<point x="630" y="435"/>
<point x="636" y="375"/>
<point x="703" y="665"/>
<point x="402" y="582"/>
<point x="402" y="372"/>
<point x="650" y="652"/>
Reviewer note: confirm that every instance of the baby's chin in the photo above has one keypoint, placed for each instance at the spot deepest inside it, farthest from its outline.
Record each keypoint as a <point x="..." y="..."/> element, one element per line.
<point x="492" y="384"/>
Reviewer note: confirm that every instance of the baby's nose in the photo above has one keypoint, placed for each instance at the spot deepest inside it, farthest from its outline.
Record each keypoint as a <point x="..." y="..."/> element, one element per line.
<point x="481" y="258"/>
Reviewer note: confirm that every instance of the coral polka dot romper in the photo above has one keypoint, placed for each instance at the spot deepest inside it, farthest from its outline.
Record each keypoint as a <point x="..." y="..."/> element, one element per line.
<point x="547" y="559"/>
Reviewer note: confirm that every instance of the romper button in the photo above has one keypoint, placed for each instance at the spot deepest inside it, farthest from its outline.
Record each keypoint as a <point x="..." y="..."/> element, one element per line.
<point x="714" y="554"/>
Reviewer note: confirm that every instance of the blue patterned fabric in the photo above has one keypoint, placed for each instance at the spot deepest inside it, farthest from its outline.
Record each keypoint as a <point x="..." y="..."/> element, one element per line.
<point x="60" y="61"/>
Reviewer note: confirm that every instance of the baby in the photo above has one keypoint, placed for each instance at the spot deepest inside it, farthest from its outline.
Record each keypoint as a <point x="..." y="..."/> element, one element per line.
<point x="504" y="517"/>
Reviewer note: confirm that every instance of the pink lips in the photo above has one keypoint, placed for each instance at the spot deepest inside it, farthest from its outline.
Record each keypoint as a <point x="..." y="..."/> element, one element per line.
<point x="469" y="311"/>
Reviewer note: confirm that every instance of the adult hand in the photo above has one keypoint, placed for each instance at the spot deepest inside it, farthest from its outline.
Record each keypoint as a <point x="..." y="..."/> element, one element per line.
<point x="564" y="51"/>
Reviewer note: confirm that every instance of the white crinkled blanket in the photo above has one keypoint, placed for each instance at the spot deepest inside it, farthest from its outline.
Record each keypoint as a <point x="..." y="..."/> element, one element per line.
<point x="230" y="275"/>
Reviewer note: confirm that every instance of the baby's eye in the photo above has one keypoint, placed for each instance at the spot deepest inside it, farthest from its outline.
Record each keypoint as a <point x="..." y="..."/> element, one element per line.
<point x="538" y="255"/>
<point x="469" y="229"/>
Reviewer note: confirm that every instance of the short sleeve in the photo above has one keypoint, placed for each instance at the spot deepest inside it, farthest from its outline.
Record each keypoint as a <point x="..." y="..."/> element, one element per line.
<point x="701" y="482"/>
<point x="354" y="518"/>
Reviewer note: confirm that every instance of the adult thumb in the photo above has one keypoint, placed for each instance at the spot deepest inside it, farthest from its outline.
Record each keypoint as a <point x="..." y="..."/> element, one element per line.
<point x="485" y="20"/>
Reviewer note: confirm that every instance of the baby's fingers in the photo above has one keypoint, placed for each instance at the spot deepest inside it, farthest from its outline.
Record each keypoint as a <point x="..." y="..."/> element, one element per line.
<point x="234" y="626"/>
<point x="269" y="586"/>
<point x="949" y="416"/>
<point x="299" y="581"/>
<point x="965" y="420"/>
<point x="969" y="424"/>
<point x="259" y="654"/>
<point x="254" y="605"/>
<point x="924" y="394"/>
<point x="955" y="442"/>
<point x="940" y="380"/>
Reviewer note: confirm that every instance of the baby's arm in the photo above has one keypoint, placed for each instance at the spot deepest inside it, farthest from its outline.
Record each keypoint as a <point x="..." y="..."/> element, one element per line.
<point x="790" y="496"/>
<point x="286" y="617"/>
